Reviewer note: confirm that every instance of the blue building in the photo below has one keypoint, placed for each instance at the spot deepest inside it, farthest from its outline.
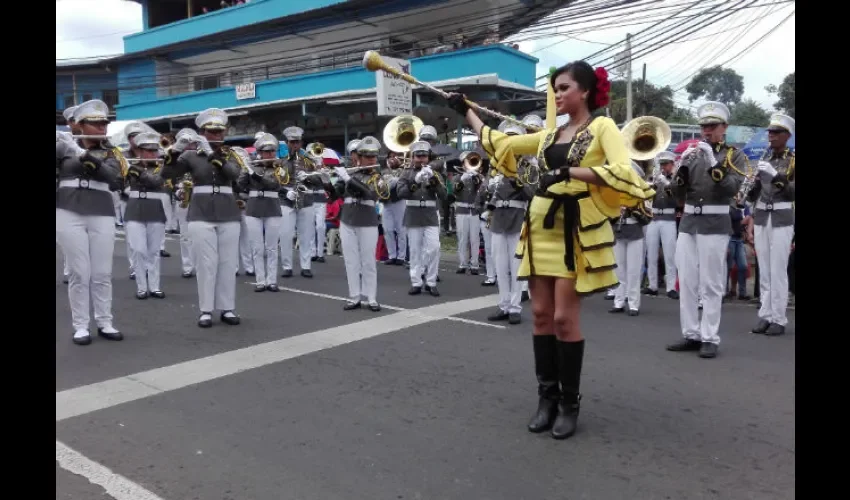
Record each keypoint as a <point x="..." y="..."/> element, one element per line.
<point x="275" y="63"/>
<point x="84" y="79"/>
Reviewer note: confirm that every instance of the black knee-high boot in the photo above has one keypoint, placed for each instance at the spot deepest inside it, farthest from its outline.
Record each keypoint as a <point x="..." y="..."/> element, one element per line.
<point x="546" y="368"/>
<point x="570" y="357"/>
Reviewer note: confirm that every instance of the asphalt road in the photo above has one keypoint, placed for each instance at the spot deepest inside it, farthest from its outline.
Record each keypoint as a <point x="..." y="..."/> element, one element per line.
<point x="423" y="400"/>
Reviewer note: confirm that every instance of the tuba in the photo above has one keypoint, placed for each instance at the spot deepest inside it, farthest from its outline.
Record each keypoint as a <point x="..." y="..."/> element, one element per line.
<point x="400" y="133"/>
<point x="646" y="136"/>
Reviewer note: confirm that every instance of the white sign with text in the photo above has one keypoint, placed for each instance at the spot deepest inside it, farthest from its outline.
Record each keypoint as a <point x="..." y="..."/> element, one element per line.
<point x="395" y="96"/>
<point x="246" y="91"/>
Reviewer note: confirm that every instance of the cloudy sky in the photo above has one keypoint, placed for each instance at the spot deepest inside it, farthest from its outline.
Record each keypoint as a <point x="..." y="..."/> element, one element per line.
<point x="80" y="34"/>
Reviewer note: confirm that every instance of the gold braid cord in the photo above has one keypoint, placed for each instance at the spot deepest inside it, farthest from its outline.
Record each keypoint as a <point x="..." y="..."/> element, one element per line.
<point x="125" y="167"/>
<point x="728" y="164"/>
<point x="374" y="183"/>
<point x="790" y="173"/>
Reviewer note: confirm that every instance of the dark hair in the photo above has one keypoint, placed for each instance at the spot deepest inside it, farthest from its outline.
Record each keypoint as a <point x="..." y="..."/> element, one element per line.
<point x="584" y="75"/>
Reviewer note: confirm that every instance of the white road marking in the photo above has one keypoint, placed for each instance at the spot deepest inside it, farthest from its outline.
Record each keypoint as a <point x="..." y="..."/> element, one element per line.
<point x="115" y="485"/>
<point x="102" y="395"/>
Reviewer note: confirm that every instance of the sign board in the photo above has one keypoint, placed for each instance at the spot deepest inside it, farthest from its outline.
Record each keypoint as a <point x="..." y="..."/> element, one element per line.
<point x="246" y="91"/>
<point x="395" y="96"/>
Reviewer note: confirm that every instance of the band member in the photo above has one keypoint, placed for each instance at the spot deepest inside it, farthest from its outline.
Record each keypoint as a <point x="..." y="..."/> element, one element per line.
<point x="131" y="130"/>
<point x="183" y="194"/>
<point x="628" y="252"/>
<point x="297" y="208"/>
<point x="351" y="149"/>
<point x="662" y="230"/>
<point x="566" y="245"/>
<point x="483" y="199"/>
<point x="145" y="215"/>
<point x="708" y="179"/>
<point x="773" y="218"/>
<point x="420" y="188"/>
<point x="507" y="209"/>
<point x="358" y="228"/>
<point x="320" y="197"/>
<point x="392" y="219"/>
<point x="68" y="114"/>
<point x="468" y="224"/>
<point x="85" y="220"/>
<point x="213" y="214"/>
<point x="263" y="214"/>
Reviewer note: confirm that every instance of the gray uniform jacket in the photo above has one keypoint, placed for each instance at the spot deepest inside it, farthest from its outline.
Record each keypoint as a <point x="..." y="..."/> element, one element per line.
<point x="466" y="194"/>
<point x="82" y="191"/>
<point x="387" y="171"/>
<point x="262" y="183"/>
<point x="772" y="202"/>
<point x="294" y="164"/>
<point x="702" y="193"/>
<point x="630" y="226"/>
<point x="207" y="207"/>
<point x="664" y="204"/>
<point x="509" y="201"/>
<point x="140" y="206"/>
<point x="421" y="199"/>
<point x="360" y="200"/>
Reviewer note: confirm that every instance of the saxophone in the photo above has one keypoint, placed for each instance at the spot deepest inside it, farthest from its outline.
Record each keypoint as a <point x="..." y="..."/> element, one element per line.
<point x="187" y="193"/>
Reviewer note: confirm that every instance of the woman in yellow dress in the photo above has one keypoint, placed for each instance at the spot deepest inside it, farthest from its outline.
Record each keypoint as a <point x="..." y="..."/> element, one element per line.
<point x="566" y="246"/>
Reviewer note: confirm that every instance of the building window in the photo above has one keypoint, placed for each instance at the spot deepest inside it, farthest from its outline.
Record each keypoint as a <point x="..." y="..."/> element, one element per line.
<point x="110" y="98"/>
<point x="87" y="97"/>
<point x="69" y="101"/>
<point x="206" y="82"/>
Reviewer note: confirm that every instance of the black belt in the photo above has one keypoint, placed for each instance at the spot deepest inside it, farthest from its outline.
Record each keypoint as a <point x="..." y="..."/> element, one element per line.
<point x="569" y="203"/>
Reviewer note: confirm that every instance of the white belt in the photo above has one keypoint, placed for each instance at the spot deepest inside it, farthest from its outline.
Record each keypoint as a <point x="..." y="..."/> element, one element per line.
<point x="630" y="221"/>
<point x="463" y="204"/>
<point x="317" y="191"/>
<point x="263" y="194"/>
<point x="511" y="204"/>
<point x="707" y="209"/>
<point x="84" y="184"/>
<point x="420" y="203"/>
<point x="781" y="205"/>
<point x="142" y="195"/>
<point x="358" y="201"/>
<point x="212" y="190"/>
<point x="663" y="211"/>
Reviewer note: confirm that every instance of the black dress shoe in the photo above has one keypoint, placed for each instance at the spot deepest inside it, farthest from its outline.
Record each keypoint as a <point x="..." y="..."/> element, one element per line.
<point x="287" y="273"/>
<point x="141" y="295"/>
<point x="158" y="294"/>
<point x="82" y="340"/>
<point x="250" y="273"/>
<point x="487" y="282"/>
<point x="673" y="294"/>
<point x="525" y="297"/>
<point x="230" y="320"/>
<point x="708" y="350"/>
<point x="163" y="253"/>
<point x="375" y="307"/>
<point x="321" y="258"/>
<point x="649" y="291"/>
<point x="473" y="272"/>
<point x="461" y="270"/>
<point x="616" y="309"/>
<point x="306" y="273"/>
<point x="514" y="318"/>
<point x="110" y="335"/>
<point x="499" y="316"/>
<point x="259" y="288"/>
<point x="685" y="345"/>
<point x="65" y="280"/>
<point x="314" y="258"/>
<point x="272" y="288"/>
<point x="187" y="274"/>
<point x="634" y="312"/>
<point x="434" y="292"/>
<point x="351" y="305"/>
<point x="773" y="330"/>
<point x="205" y="320"/>
<point x="132" y="276"/>
<point x="761" y="327"/>
<point x="414" y="290"/>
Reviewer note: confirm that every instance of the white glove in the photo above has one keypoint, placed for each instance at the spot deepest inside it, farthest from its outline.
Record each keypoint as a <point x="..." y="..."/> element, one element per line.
<point x="662" y="181"/>
<point x="706" y="148"/>
<point x="204" y="146"/>
<point x="290" y="195"/>
<point x="300" y="175"/>
<point x="467" y="176"/>
<point x="494" y="181"/>
<point x="181" y="144"/>
<point x="342" y="173"/>
<point x="484" y="215"/>
<point x="766" y="169"/>
<point x="421" y="176"/>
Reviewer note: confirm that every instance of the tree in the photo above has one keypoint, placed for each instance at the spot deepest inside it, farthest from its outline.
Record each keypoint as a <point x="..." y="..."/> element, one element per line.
<point x="748" y="113"/>
<point x="682" y="115"/>
<point x="717" y="84"/>
<point x="655" y="101"/>
<point x="785" y="92"/>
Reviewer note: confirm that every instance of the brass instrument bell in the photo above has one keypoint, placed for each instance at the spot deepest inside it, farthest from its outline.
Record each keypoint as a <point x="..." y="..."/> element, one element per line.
<point x="401" y="132"/>
<point x="646" y="136"/>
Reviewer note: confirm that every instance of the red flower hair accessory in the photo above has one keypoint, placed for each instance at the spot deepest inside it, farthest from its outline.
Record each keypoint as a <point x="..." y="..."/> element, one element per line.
<point x="603" y="87"/>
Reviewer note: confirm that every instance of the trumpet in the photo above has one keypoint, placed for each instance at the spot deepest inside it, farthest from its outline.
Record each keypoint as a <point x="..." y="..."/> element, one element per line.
<point x="470" y="162"/>
<point x="165" y="143"/>
<point x="91" y="137"/>
<point x="264" y="160"/>
<point x="145" y="160"/>
<point x="316" y="149"/>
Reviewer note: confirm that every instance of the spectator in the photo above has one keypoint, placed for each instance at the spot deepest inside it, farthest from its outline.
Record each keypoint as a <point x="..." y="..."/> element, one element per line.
<point x="736" y="258"/>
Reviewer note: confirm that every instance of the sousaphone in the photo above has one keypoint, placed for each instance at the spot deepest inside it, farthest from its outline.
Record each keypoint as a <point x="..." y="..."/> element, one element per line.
<point x="646" y="136"/>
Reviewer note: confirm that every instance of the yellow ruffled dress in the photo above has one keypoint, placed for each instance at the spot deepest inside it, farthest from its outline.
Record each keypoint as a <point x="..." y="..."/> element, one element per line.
<point x="584" y="210"/>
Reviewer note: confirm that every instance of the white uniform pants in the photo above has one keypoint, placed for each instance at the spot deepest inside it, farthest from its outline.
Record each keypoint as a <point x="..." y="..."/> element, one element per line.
<point x="424" y="254"/>
<point x="144" y="238"/>
<point x="395" y="234"/>
<point x="119" y="210"/>
<point x="264" y="233"/>
<point x="490" y="264"/>
<point x="88" y="242"/>
<point x="773" y="248"/>
<point x="468" y="240"/>
<point x="245" y="257"/>
<point x="663" y="233"/>
<point x="358" y="252"/>
<point x="169" y="214"/>
<point x="320" y="212"/>
<point x="629" y="258"/>
<point x="185" y="239"/>
<point x="507" y="266"/>
<point x="215" y="249"/>
<point x="701" y="261"/>
<point x="303" y="223"/>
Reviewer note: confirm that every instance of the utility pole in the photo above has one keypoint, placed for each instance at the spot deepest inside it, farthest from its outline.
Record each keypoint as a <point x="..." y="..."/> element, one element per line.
<point x="643" y="91"/>
<point x="628" y="77"/>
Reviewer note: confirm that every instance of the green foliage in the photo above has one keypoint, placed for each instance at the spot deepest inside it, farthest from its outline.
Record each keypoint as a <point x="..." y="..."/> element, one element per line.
<point x="717" y="84"/>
